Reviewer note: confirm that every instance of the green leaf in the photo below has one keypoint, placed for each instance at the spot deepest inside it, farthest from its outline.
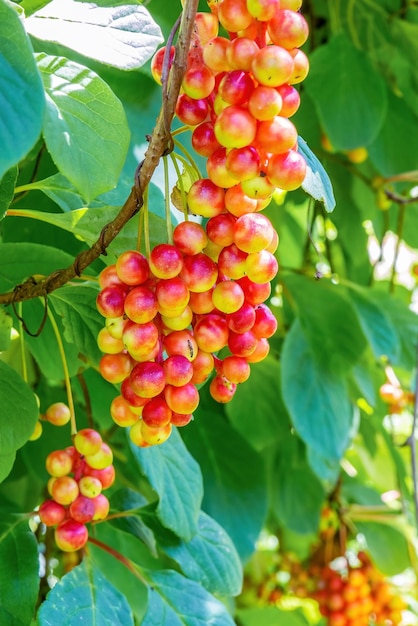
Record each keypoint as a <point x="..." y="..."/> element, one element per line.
<point x="296" y="510"/>
<point x="329" y="321"/>
<point x="389" y="151"/>
<point x="129" y="500"/>
<point x="7" y="190"/>
<point x="6" y="464"/>
<point x="85" y="126"/>
<point x="21" y="260"/>
<point x="404" y="320"/>
<point x="123" y="36"/>
<point x="271" y="616"/>
<point x="316" y="399"/>
<point x="387" y="545"/>
<point x="85" y="596"/>
<point x="176" y="601"/>
<point x="19" y="566"/>
<point x="175" y="477"/>
<point x="257" y="410"/>
<point x="6" y="324"/>
<point x="350" y="97"/>
<point x="80" y="318"/>
<point x="44" y="347"/>
<point x="233" y="474"/>
<point x="86" y="223"/>
<point x="18" y="410"/>
<point x="376" y="324"/>
<point x="317" y="183"/>
<point x="209" y="558"/>
<point x="22" y="100"/>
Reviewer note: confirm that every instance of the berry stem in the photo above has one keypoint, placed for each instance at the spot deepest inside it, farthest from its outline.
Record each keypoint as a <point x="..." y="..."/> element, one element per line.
<point x="188" y="156"/>
<point x="180" y="183"/>
<point x="122" y="559"/>
<point x="66" y="371"/>
<point x="22" y="344"/>
<point x="146" y="223"/>
<point x="168" y="223"/>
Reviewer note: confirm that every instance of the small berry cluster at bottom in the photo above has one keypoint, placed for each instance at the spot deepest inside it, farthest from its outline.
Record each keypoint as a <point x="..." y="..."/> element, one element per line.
<point x="79" y="474"/>
<point x="358" y="596"/>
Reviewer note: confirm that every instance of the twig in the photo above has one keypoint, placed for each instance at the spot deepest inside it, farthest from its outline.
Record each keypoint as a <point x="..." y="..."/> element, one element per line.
<point x="160" y="141"/>
<point x="411" y="442"/>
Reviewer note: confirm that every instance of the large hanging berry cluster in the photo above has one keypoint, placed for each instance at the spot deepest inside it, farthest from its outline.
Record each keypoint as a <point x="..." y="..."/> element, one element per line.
<point x="168" y="316"/>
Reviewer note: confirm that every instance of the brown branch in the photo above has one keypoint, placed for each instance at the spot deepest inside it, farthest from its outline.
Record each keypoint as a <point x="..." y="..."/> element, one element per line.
<point x="160" y="143"/>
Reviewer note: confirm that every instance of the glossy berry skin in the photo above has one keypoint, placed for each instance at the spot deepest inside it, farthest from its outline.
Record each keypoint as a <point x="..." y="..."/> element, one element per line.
<point x="199" y="272"/>
<point x="155" y="436"/>
<point x="106" y="475"/>
<point x="211" y="333"/>
<point x="221" y="389"/>
<point x="148" y="379"/>
<point x="132" y="267"/>
<point x="181" y="342"/>
<point x="90" y="486"/>
<point x="58" y="414"/>
<point x="287" y="170"/>
<point x="165" y="261"/>
<point x="272" y="66"/>
<point x="178" y="370"/>
<point x="191" y="111"/>
<point x="51" y="513"/>
<point x="64" y="490"/>
<point x="87" y="441"/>
<point x="115" y="367"/>
<point x="288" y="29"/>
<point x="205" y="198"/>
<point x="71" y="535"/>
<point x="198" y="82"/>
<point x="121" y="413"/>
<point x="141" y="305"/>
<point x="101" y="507"/>
<point x="235" y="369"/>
<point x="243" y="319"/>
<point x="189" y="237"/>
<point x="183" y="399"/>
<point x="156" y="413"/>
<point x="100" y="459"/>
<point x="110" y="301"/>
<point x="253" y="232"/>
<point x="59" y="463"/>
<point x="235" y="127"/>
<point x="82" y="509"/>
<point x="228" y="296"/>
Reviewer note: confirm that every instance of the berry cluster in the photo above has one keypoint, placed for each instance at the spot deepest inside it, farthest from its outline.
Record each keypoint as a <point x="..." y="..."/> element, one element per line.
<point x="358" y="596"/>
<point x="168" y="316"/>
<point x="78" y="475"/>
<point x="238" y="94"/>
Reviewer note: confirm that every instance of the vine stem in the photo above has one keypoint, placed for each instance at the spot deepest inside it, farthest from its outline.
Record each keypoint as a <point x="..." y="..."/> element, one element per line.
<point x="168" y="224"/>
<point x="160" y="143"/>
<point x="22" y="344"/>
<point x="117" y="555"/>
<point x="66" y="371"/>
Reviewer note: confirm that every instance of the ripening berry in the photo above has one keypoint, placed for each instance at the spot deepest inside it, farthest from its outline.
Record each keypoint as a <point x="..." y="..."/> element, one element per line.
<point x="51" y="513"/>
<point x="87" y="441"/>
<point x="71" y="535"/>
<point x="100" y="459"/>
<point x="58" y="414"/>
